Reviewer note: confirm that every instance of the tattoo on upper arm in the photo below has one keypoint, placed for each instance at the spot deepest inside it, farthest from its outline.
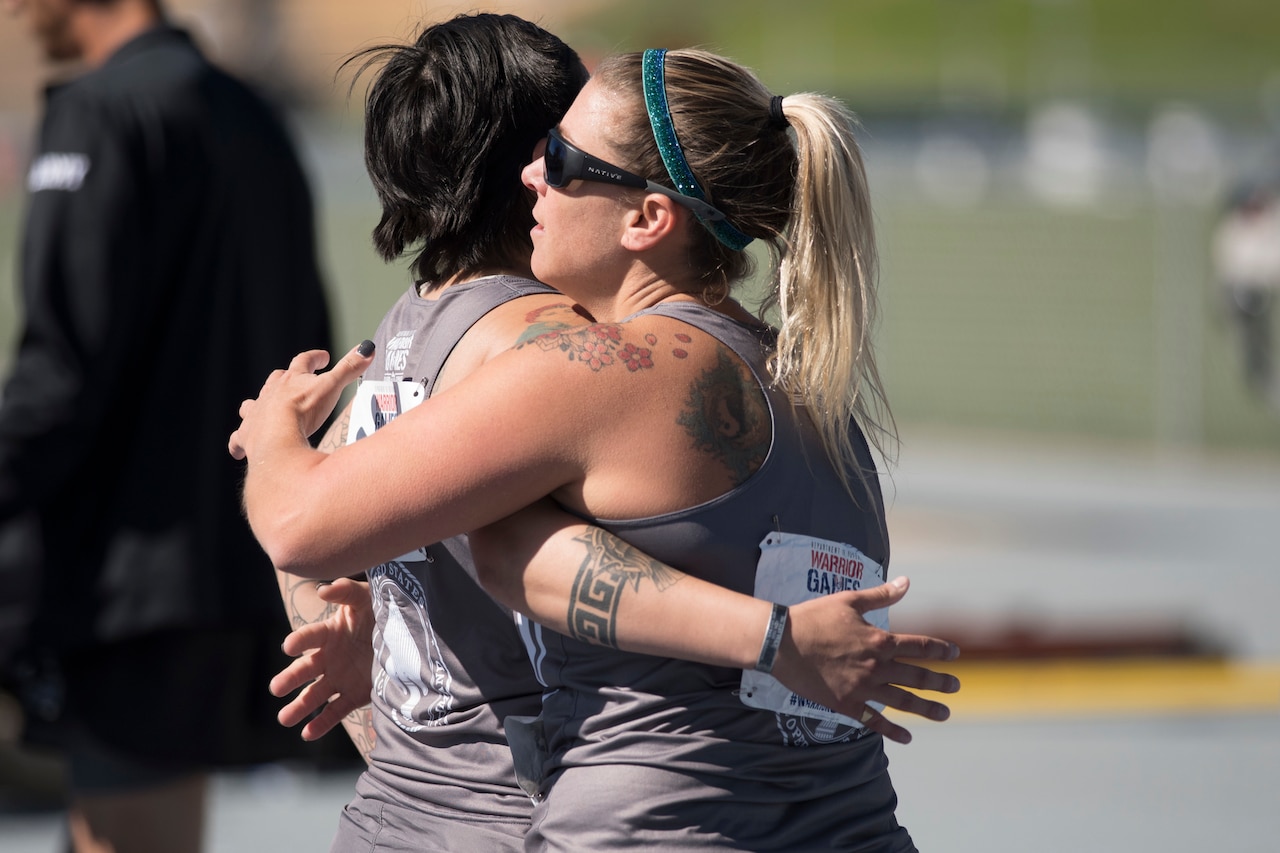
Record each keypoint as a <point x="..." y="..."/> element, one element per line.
<point x="598" y="346"/>
<point x="549" y="318"/>
<point x="726" y="416"/>
<point x="609" y="566"/>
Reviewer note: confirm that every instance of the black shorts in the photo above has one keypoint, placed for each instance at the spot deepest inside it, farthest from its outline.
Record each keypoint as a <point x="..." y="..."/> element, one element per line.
<point x="172" y="702"/>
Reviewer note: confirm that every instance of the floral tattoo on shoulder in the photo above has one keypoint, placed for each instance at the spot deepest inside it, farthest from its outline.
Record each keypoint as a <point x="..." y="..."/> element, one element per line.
<point x="597" y="346"/>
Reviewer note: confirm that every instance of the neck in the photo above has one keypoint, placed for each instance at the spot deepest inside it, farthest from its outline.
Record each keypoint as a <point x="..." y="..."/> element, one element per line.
<point x="425" y="287"/>
<point x="102" y="29"/>
<point x="644" y="277"/>
<point x="636" y="293"/>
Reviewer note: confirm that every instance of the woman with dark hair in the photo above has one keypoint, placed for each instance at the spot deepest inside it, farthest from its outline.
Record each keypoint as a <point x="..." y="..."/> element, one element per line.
<point x="450" y="120"/>
<point x="679" y="423"/>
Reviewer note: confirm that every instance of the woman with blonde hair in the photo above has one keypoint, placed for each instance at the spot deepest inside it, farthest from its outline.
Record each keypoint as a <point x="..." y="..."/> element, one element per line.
<point x="677" y="422"/>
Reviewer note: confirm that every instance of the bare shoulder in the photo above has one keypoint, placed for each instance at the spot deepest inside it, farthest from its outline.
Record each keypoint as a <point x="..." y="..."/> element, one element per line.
<point x="668" y="376"/>
<point x="601" y="362"/>
<point x="644" y="346"/>
<point x="526" y="317"/>
<point x="722" y="410"/>
<point x="504" y="327"/>
<point x="651" y="399"/>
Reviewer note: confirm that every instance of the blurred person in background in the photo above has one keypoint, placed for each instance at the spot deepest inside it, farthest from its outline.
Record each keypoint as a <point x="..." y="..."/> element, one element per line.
<point x="1246" y="259"/>
<point x="168" y="259"/>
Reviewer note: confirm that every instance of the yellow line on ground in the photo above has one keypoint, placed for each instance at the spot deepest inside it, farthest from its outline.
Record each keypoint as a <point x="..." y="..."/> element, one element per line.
<point x="1117" y="687"/>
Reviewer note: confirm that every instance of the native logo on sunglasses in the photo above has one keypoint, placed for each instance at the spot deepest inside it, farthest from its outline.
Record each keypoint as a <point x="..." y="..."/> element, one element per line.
<point x="608" y="176"/>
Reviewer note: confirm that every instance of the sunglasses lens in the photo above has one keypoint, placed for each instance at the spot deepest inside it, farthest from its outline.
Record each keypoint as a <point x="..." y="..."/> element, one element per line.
<point x="553" y="162"/>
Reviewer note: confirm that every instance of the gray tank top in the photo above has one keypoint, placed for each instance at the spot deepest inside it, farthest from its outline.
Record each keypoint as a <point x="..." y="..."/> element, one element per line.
<point x="645" y="751"/>
<point x="448" y="661"/>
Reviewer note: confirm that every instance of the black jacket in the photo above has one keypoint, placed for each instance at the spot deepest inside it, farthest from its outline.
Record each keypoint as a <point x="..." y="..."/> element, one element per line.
<point x="168" y="265"/>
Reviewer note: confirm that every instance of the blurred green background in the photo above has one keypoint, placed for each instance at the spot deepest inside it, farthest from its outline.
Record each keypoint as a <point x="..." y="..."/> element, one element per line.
<point x="902" y="54"/>
<point x="1046" y="175"/>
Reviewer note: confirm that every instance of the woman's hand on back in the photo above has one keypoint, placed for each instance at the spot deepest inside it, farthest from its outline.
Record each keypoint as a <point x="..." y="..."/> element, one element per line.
<point x="831" y="655"/>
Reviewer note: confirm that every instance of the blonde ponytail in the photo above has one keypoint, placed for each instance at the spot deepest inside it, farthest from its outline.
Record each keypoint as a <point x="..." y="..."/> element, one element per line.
<point x="826" y="284"/>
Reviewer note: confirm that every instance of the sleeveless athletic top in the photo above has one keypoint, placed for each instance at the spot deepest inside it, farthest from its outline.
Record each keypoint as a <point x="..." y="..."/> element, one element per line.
<point x="655" y="753"/>
<point x="448" y="661"/>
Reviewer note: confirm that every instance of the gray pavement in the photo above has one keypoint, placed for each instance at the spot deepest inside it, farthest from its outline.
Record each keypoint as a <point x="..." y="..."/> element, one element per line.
<point x="1077" y="536"/>
<point x="993" y="530"/>
<point x="269" y="810"/>
<point x="1172" y="785"/>
<point x="997" y="529"/>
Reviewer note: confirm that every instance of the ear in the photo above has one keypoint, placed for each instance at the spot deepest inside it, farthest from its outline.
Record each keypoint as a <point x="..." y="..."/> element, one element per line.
<point x="654" y="220"/>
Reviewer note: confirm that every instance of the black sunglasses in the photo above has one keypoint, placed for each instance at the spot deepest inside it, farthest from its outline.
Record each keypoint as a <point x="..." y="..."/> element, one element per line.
<point x="565" y="162"/>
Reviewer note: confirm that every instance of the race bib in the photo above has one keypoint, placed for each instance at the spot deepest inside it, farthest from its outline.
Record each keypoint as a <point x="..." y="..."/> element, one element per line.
<point x="792" y="569"/>
<point x="380" y="401"/>
<point x="377" y="403"/>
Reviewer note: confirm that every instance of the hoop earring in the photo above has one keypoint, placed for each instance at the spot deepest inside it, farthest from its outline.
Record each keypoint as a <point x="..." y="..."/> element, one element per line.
<point x="714" y="294"/>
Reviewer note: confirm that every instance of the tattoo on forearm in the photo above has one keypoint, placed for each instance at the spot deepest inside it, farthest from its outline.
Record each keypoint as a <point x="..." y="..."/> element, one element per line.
<point x="608" y="568"/>
<point x="298" y="615"/>
<point x="726" y="416"/>
<point x="359" y="726"/>
<point x="336" y="435"/>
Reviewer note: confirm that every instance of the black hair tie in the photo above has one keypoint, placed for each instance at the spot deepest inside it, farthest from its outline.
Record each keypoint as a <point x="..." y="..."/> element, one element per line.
<point x="776" y="117"/>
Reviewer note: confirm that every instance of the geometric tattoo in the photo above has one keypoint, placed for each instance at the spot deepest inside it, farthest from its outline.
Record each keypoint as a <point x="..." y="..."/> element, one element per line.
<point x="610" y="565"/>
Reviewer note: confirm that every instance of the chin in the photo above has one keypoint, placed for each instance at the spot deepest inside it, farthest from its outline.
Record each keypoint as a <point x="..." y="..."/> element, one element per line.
<point x="539" y="270"/>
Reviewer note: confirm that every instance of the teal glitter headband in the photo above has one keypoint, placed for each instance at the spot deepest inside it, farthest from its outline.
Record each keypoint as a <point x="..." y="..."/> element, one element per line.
<point x="664" y="133"/>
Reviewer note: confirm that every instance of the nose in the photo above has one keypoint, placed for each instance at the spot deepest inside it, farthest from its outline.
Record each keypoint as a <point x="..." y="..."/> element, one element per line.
<point x="534" y="175"/>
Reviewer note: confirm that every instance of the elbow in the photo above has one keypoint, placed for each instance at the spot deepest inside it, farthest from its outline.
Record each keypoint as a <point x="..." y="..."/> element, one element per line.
<point x="290" y="530"/>
<point x="288" y="546"/>
<point x="286" y="556"/>
<point x="281" y="550"/>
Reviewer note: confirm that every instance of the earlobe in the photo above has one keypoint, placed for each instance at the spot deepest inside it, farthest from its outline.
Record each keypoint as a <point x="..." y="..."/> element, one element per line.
<point x="649" y="224"/>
